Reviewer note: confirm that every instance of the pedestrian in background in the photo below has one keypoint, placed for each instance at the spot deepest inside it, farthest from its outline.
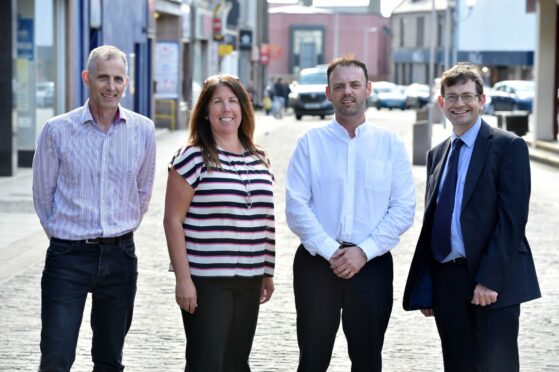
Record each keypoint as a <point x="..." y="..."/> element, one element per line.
<point x="251" y="92"/>
<point x="286" y="91"/>
<point x="268" y="96"/>
<point x="473" y="266"/>
<point x="93" y="175"/>
<point x="219" y="224"/>
<point x="278" y="102"/>
<point x="350" y="195"/>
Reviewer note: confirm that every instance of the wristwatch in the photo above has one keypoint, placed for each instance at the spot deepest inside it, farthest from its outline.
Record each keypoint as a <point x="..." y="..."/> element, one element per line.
<point x="363" y="253"/>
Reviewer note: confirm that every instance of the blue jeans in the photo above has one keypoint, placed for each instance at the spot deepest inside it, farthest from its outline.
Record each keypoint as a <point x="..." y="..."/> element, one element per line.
<point x="72" y="270"/>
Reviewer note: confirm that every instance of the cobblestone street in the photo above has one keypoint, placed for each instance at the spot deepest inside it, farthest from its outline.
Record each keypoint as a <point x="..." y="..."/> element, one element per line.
<point x="156" y="340"/>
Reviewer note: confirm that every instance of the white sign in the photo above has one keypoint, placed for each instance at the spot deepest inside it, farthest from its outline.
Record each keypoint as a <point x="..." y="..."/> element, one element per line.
<point x="167" y="69"/>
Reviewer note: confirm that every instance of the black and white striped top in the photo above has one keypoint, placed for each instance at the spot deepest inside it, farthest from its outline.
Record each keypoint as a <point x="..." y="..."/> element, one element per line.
<point x="229" y="226"/>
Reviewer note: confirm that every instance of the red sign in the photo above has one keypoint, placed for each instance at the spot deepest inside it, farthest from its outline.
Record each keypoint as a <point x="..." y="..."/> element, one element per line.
<point x="264" y="54"/>
<point x="217" y="28"/>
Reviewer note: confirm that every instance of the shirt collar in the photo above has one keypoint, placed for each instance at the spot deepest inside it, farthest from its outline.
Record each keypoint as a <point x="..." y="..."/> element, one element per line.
<point x="469" y="137"/>
<point x="342" y="132"/>
<point x="87" y="117"/>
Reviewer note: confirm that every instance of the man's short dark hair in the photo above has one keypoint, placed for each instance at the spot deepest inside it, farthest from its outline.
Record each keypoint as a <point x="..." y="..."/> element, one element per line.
<point x="345" y="61"/>
<point x="461" y="73"/>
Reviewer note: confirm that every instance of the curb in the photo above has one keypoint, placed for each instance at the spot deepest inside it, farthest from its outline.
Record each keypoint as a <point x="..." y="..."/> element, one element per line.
<point x="544" y="158"/>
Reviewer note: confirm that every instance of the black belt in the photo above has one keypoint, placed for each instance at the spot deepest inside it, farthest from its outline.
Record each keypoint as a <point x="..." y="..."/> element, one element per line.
<point x="456" y="261"/>
<point x="346" y="245"/>
<point x="114" y="240"/>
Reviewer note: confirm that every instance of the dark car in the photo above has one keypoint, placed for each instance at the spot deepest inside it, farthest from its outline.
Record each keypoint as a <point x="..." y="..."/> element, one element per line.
<point x="308" y="95"/>
<point x="511" y="95"/>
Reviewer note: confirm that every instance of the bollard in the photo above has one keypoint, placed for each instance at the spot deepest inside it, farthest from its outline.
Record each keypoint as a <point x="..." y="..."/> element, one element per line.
<point x="421" y="142"/>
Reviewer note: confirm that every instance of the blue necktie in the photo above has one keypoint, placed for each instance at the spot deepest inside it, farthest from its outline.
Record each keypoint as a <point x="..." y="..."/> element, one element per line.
<point x="440" y="235"/>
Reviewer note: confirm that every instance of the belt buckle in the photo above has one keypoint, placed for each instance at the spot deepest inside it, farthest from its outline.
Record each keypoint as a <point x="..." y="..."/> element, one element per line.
<point x="92" y="241"/>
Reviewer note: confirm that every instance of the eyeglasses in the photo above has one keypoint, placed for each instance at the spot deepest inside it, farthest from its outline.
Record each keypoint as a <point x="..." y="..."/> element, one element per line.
<point x="219" y="77"/>
<point x="466" y="97"/>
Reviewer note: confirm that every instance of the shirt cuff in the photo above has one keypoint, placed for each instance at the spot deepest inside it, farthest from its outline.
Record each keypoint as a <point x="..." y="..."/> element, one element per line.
<point x="370" y="248"/>
<point x="324" y="247"/>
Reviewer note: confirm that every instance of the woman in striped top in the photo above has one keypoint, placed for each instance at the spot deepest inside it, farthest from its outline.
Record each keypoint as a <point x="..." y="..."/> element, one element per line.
<point x="219" y="224"/>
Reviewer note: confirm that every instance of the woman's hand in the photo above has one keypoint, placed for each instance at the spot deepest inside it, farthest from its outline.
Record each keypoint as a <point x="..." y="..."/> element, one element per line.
<point x="185" y="294"/>
<point x="267" y="289"/>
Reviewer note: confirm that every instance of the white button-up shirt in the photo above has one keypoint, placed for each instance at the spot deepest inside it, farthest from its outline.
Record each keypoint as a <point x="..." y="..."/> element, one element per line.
<point x="88" y="183"/>
<point x="357" y="190"/>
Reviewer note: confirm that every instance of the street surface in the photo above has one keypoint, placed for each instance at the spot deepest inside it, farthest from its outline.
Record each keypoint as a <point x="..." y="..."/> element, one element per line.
<point x="156" y="340"/>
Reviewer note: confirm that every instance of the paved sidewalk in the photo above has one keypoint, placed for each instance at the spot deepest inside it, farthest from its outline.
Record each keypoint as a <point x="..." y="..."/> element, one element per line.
<point x="22" y="239"/>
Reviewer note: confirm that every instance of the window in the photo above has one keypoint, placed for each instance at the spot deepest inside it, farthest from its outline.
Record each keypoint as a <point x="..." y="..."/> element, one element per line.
<point x="419" y="35"/>
<point x="307" y="47"/>
<point x="402" y="22"/>
<point x="440" y="29"/>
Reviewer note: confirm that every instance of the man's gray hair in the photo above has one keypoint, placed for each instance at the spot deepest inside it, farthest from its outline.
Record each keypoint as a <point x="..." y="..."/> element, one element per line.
<point x="106" y="53"/>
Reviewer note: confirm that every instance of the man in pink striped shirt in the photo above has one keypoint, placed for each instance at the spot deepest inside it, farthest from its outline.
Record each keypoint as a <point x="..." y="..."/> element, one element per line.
<point x="93" y="175"/>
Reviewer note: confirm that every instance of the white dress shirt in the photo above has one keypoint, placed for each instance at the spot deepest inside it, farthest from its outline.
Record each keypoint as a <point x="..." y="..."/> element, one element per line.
<point x="88" y="183"/>
<point x="357" y="190"/>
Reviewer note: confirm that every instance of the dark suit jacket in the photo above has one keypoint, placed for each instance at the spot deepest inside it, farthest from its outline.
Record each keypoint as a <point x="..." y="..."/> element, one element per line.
<point x="493" y="219"/>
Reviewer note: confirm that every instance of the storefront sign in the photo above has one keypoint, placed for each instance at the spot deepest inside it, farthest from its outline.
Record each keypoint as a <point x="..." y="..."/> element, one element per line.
<point x="224" y="49"/>
<point x="167" y="69"/>
<point x="245" y="39"/>
<point x="25" y="38"/>
<point x="217" y="28"/>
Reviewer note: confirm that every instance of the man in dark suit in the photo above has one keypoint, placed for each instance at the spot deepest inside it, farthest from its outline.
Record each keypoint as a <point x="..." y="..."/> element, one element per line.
<point x="472" y="266"/>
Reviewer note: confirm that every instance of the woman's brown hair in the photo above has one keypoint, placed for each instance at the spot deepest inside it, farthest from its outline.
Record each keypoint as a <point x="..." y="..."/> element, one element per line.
<point x="200" y="133"/>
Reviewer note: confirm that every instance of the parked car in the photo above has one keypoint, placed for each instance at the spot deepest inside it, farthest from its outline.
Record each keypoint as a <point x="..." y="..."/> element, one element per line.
<point x="417" y="95"/>
<point x="386" y="94"/>
<point x="45" y="93"/>
<point x="488" y="109"/>
<point x="510" y="95"/>
<point x="308" y="94"/>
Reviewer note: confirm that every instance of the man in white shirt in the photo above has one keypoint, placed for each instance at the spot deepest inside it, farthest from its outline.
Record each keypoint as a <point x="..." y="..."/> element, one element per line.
<point x="350" y="195"/>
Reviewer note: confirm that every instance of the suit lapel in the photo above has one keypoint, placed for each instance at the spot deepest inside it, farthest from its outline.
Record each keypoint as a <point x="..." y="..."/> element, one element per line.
<point x="435" y="177"/>
<point x="477" y="161"/>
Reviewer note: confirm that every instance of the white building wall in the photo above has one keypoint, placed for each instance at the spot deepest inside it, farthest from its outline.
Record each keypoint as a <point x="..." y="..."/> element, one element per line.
<point x="496" y="25"/>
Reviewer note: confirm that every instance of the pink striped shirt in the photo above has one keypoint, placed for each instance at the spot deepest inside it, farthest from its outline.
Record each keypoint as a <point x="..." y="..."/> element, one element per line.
<point x="229" y="227"/>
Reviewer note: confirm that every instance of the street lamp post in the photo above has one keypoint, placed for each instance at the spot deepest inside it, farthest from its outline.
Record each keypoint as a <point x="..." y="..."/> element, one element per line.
<point x="432" y="41"/>
<point x="366" y="44"/>
<point x="422" y="130"/>
<point x="456" y="19"/>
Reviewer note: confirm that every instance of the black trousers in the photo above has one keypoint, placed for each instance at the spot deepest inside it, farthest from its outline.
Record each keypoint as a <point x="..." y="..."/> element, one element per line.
<point x="219" y="334"/>
<point x="365" y="303"/>
<point x="473" y="338"/>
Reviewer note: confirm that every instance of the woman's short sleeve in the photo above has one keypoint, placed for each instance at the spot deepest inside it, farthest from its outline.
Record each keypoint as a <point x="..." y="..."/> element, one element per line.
<point x="188" y="162"/>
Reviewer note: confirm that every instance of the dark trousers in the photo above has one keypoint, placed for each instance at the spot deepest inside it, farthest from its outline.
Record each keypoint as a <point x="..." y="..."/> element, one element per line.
<point x="219" y="334"/>
<point x="72" y="270"/>
<point x="473" y="338"/>
<point x="365" y="303"/>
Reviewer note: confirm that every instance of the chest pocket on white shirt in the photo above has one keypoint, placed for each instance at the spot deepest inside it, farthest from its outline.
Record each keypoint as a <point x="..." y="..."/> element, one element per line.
<point x="378" y="175"/>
